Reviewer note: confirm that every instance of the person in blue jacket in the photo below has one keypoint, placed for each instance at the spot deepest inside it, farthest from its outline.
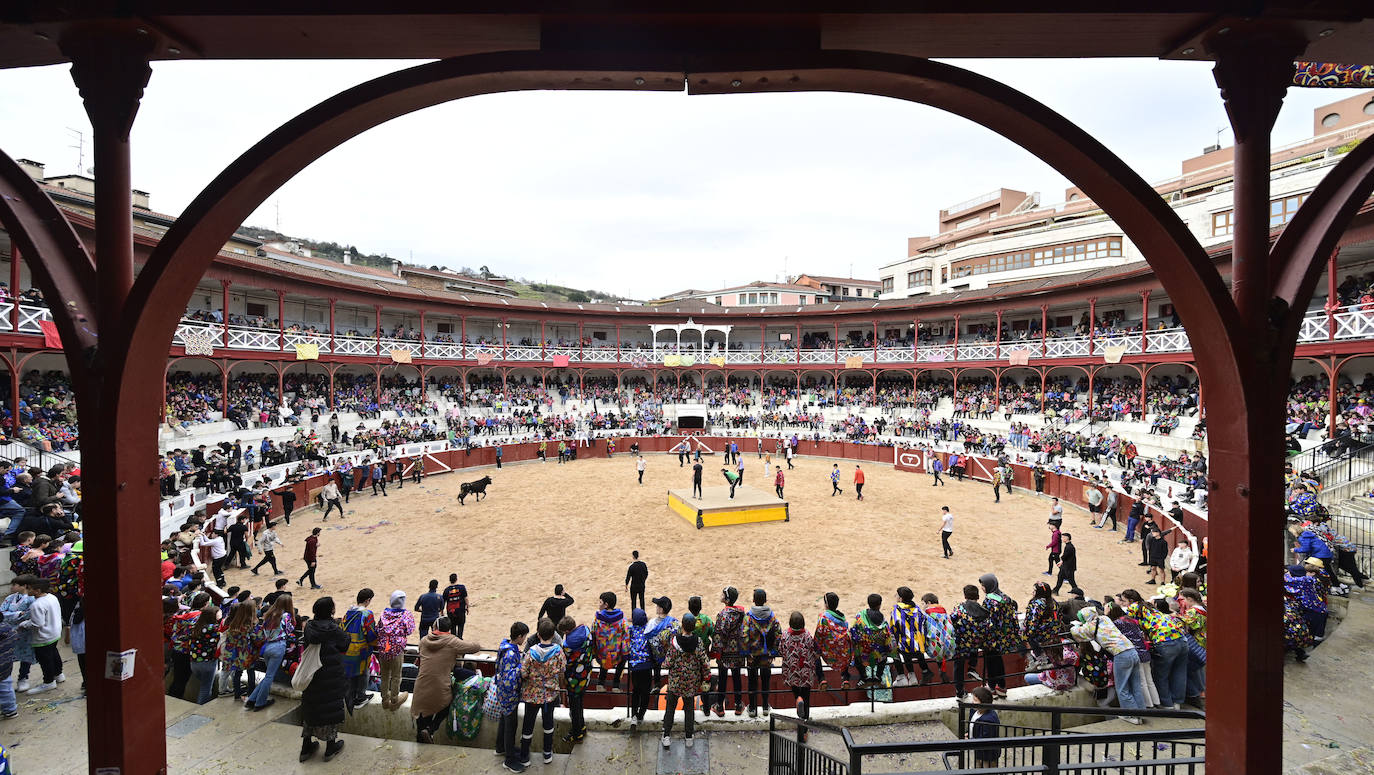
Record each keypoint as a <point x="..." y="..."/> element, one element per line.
<point x="984" y="723"/>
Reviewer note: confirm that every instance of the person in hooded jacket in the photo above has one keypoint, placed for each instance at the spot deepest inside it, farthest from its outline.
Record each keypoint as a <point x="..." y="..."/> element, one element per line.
<point x="541" y="677"/>
<point x="322" y="702"/>
<point x="660" y="628"/>
<point x="638" y="659"/>
<point x="1043" y="625"/>
<point x="872" y="641"/>
<point x="503" y="698"/>
<point x="728" y="646"/>
<point x="440" y="651"/>
<point x="939" y="633"/>
<point x="689" y="674"/>
<point x="577" y="651"/>
<point x="972" y="632"/>
<point x="798" y="654"/>
<point x="909" y="633"/>
<point x="609" y="642"/>
<point x="762" y="633"/>
<point x="1005" y="633"/>
<point x="833" y="642"/>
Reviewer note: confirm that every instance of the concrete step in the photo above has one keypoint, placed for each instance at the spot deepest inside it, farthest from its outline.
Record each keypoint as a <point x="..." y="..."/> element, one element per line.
<point x="1351" y="762"/>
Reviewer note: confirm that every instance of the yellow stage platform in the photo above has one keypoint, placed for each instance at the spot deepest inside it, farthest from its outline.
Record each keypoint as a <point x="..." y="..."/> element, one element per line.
<point x="716" y="508"/>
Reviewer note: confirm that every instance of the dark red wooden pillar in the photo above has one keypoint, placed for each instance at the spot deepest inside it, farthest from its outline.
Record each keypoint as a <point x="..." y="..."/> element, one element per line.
<point x="224" y="389"/>
<point x="14" y="394"/>
<point x="15" y="258"/>
<point x="617" y="350"/>
<point x="331" y="342"/>
<point x="422" y="335"/>
<point x="1092" y="324"/>
<point x="333" y="407"/>
<point x="579" y="341"/>
<point x="997" y="353"/>
<point x="1145" y="321"/>
<point x="1332" y="302"/>
<point x="124" y="719"/>
<point x="1245" y="707"/>
<point x="505" y="327"/>
<point x="837" y="343"/>
<point x="543" y="339"/>
<point x="798" y="343"/>
<point x="956" y="337"/>
<point x="915" y="346"/>
<point x="377" y="310"/>
<point x="224" y="310"/>
<point x="1333" y="372"/>
<point x="281" y="320"/>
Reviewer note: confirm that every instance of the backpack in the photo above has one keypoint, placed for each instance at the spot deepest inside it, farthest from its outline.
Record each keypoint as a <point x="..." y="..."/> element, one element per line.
<point x="465" y="713"/>
<point x="393" y="632"/>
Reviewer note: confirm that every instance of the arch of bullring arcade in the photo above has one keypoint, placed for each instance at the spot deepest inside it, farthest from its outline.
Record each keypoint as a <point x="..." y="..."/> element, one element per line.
<point x="113" y="323"/>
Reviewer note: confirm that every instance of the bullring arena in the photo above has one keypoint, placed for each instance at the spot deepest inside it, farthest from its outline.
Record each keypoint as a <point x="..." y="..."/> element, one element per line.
<point x="576" y="524"/>
<point x="1185" y="367"/>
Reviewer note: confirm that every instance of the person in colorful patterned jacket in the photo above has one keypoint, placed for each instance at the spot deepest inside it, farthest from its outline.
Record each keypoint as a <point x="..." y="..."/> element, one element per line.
<point x="236" y="652"/>
<point x="798" y="653"/>
<point x="761" y="635"/>
<point x="577" y="650"/>
<point x="394" y="628"/>
<point x="639" y="661"/>
<point x="689" y="674"/>
<point x="1043" y="625"/>
<point x="1193" y="612"/>
<point x="659" y="630"/>
<point x="541" y="676"/>
<point x="1004" y="630"/>
<point x="939" y="633"/>
<point x="360" y="624"/>
<point x="503" y="698"/>
<point x="1169" y="652"/>
<point x="1307" y="590"/>
<point x="872" y="641"/>
<point x="972" y="632"/>
<point x="1296" y="637"/>
<point x="609" y="638"/>
<point x="833" y="642"/>
<point x="728" y="645"/>
<point x="1093" y="627"/>
<point x="71" y="579"/>
<point x="909" y="633"/>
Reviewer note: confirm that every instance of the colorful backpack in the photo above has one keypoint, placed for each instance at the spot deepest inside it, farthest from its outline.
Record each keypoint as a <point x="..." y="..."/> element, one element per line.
<point x="393" y="632"/>
<point x="939" y="636"/>
<point x="465" y="713"/>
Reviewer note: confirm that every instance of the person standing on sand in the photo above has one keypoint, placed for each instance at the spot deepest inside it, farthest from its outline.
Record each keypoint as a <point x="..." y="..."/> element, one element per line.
<point x="312" y="553"/>
<point x="635" y="578"/>
<point x="859" y="481"/>
<point x="946" y="530"/>
<point x="696" y="479"/>
<point x="639" y="466"/>
<point x="739" y="467"/>
<point x="778" y="482"/>
<point x="835" y="481"/>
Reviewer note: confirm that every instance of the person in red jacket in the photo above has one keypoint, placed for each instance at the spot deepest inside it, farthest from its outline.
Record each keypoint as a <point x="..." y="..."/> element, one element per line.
<point x="859" y="481"/>
<point x="312" y="548"/>
<point x="778" y="482"/>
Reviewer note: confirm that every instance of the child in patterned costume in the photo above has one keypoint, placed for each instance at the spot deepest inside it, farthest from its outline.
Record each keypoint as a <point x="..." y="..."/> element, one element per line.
<point x="909" y="632"/>
<point x="1306" y="589"/>
<point x="728" y="649"/>
<point x="833" y="642"/>
<point x="660" y="629"/>
<point x="689" y="674"/>
<point x="541" y="676"/>
<point x="972" y="632"/>
<point x="610" y="638"/>
<point x="761" y="635"/>
<point x="798" y="654"/>
<point x="1043" y="624"/>
<point x="939" y="633"/>
<point x="1296" y="637"/>
<point x="1005" y="633"/>
<point x="503" y="697"/>
<point x="577" y="646"/>
<point x="872" y="641"/>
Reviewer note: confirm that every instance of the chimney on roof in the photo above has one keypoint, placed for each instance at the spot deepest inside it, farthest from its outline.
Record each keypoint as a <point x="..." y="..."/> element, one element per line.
<point x="396" y="266"/>
<point x="348" y="257"/>
<point x="1211" y="149"/>
<point x="35" y="169"/>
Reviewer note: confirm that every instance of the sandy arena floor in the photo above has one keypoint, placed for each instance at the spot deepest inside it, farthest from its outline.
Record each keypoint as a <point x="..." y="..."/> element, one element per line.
<point x="576" y="524"/>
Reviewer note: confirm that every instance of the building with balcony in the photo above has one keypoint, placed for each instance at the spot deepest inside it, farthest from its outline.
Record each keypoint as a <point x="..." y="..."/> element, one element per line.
<point x="1007" y="236"/>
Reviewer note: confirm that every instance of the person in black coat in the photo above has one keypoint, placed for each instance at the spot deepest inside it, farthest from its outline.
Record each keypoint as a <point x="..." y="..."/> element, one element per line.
<point x="322" y="702"/>
<point x="984" y="724"/>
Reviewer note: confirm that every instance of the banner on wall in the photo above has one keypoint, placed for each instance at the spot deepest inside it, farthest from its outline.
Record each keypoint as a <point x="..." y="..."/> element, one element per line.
<point x="483" y="358"/>
<point x="307" y="351"/>
<point x="200" y="341"/>
<point x="400" y="355"/>
<point x="1112" y="353"/>
<point x="854" y="362"/>
<point x="638" y="361"/>
<point x="717" y="360"/>
<point x="561" y="361"/>
<point x="1019" y="357"/>
<point x="687" y="360"/>
<point x="50" y="337"/>
<point x="672" y="360"/>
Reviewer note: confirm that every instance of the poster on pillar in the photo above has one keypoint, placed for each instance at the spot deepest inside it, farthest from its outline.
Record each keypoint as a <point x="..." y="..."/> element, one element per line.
<point x="400" y="355"/>
<point x="305" y="351"/>
<point x="1112" y="353"/>
<point x="561" y="361"/>
<point x="200" y="341"/>
<point x="1019" y="357"/>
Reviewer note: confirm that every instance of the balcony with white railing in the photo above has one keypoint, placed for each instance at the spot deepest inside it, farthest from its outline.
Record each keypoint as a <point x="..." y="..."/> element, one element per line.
<point x="355" y="345"/>
<point x="815" y="357"/>
<point x="293" y="338"/>
<point x="938" y="353"/>
<point x="602" y="355"/>
<point x="445" y="351"/>
<point x="978" y="351"/>
<point x="1071" y="347"/>
<point x="1167" y="341"/>
<point x="30" y="317"/>
<point x="865" y="354"/>
<point x="243" y="338"/>
<point x="1101" y="343"/>
<point x="1354" y="324"/>
<point x="1314" y="328"/>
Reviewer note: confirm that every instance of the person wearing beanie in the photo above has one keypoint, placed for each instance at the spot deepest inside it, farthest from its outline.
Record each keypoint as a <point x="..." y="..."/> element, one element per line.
<point x="761" y="634"/>
<point x="728" y="649"/>
<point x="797" y="652"/>
<point x="577" y="649"/>
<point x="688" y="675"/>
<point x="640" y="662"/>
<point x="394" y="628"/>
<point x="1005" y="633"/>
<point x="609" y="638"/>
<point x="833" y="642"/>
<point x="657" y="632"/>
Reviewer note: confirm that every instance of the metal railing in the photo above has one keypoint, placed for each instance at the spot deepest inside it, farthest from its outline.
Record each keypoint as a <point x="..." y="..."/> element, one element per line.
<point x="1049" y="750"/>
<point x="1336" y="463"/>
<point x="12" y="450"/>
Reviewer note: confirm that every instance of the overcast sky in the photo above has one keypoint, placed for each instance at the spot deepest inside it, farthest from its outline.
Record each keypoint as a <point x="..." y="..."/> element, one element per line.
<point x="636" y="194"/>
